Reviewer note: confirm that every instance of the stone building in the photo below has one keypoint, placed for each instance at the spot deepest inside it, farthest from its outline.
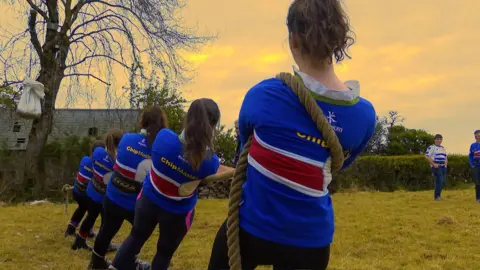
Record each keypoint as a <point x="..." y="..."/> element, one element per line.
<point x="82" y="122"/>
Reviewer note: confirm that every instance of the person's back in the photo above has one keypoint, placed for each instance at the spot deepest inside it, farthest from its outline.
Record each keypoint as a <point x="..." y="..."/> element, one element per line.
<point x="84" y="175"/>
<point x="289" y="162"/>
<point x="170" y="169"/>
<point x="101" y="164"/>
<point x="131" y="151"/>
<point x="286" y="213"/>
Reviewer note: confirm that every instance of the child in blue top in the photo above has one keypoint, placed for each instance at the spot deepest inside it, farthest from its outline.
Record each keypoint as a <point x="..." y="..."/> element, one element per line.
<point x="474" y="160"/>
<point x="176" y="160"/>
<point x="102" y="165"/>
<point x="131" y="166"/>
<point x="84" y="175"/>
<point x="286" y="213"/>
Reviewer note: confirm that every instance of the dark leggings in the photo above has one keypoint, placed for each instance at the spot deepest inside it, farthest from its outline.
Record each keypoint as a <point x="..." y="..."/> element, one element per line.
<point x="476" y="180"/>
<point x="82" y="201"/>
<point x="94" y="209"/>
<point x="113" y="217"/>
<point x="173" y="228"/>
<point x="256" y="251"/>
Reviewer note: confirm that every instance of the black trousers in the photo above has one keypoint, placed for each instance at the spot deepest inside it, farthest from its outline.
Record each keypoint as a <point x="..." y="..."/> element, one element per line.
<point x="82" y="201"/>
<point x="173" y="228"/>
<point x="256" y="251"/>
<point x="113" y="217"/>
<point x="94" y="210"/>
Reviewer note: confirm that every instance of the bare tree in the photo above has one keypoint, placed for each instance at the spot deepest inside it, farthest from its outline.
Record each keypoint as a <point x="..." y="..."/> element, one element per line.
<point x="393" y="118"/>
<point x="75" y="39"/>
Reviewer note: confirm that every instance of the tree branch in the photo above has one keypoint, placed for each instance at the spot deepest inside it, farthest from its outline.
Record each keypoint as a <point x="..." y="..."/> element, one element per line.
<point x="99" y="55"/>
<point x="33" y="34"/>
<point x="37" y="9"/>
<point x="88" y="75"/>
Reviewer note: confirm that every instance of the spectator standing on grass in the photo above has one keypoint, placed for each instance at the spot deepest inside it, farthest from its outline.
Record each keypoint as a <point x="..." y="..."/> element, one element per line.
<point x="237" y="151"/>
<point x="437" y="157"/>
<point x="474" y="160"/>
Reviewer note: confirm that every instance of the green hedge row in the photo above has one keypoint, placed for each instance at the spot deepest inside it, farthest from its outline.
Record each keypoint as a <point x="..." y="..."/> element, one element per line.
<point x="389" y="173"/>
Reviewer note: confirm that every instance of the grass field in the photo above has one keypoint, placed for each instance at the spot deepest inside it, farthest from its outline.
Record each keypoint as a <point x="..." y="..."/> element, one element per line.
<point x="400" y="230"/>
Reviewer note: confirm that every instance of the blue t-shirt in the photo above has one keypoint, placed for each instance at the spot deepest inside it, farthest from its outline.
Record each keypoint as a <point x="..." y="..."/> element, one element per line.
<point x="131" y="150"/>
<point x="285" y="196"/>
<point x="170" y="169"/>
<point x="84" y="175"/>
<point x="101" y="164"/>
<point x="474" y="155"/>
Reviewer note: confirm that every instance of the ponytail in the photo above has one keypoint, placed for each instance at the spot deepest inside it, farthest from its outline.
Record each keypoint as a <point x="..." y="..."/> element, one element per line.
<point x="202" y="117"/>
<point x="153" y="120"/>
<point x="112" y="139"/>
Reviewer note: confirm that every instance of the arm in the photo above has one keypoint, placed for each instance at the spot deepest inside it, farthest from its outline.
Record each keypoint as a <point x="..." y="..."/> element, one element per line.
<point x="470" y="156"/>
<point x="224" y="169"/>
<point x="357" y="151"/>
<point x="428" y="156"/>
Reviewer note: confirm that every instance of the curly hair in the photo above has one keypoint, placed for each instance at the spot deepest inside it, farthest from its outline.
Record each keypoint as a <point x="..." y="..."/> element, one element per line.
<point x="321" y="28"/>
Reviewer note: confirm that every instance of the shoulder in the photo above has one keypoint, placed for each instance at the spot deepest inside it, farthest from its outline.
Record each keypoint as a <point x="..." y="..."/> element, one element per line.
<point x="165" y="136"/>
<point x="132" y="137"/>
<point x="86" y="160"/>
<point x="266" y="87"/>
<point x="366" y="107"/>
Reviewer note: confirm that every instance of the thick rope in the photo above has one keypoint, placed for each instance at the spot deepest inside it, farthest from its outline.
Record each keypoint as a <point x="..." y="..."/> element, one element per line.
<point x="328" y="134"/>
<point x="65" y="190"/>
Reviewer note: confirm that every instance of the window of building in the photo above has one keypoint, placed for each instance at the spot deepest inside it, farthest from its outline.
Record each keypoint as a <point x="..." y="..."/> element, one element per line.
<point x="21" y="140"/>
<point x="16" y="127"/>
<point x="93" y="131"/>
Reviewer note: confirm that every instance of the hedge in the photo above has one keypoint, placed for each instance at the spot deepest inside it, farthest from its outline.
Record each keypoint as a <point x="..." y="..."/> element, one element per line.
<point x="389" y="173"/>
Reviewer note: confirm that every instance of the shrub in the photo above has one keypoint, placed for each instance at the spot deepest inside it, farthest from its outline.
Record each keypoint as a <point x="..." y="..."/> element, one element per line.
<point x="389" y="173"/>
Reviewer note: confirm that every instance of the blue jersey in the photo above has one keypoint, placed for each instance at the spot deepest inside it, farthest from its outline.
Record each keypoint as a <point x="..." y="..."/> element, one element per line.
<point x="474" y="155"/>
<point x="170" y="169"/>
<point x="101" y="164"/>
<point x="84" y="175"/>
<point x="132" y="150"/>
<point x="285" y="196"/>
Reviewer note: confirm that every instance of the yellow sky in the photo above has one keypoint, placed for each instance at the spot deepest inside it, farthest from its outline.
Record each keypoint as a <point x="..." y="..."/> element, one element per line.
<point x="417" y="57"/>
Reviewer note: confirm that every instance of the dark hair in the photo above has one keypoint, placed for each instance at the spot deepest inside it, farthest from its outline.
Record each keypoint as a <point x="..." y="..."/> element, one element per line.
<point x="321" y="28"/>
<point x="438" y="136"/>
<point x="153" y="120"/>
<point x="477" y="132"/>
<point x="112" y="139"/>
<point x="97" y="143"/>
<point x="202" y="117"/>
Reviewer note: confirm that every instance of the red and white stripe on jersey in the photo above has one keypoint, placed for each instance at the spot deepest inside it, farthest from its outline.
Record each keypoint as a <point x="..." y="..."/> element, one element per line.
<point x="124" y="170"/>
<point x="82" y="178"/>
<point x="476" y="154"/>
<point x="97" y="175"/>
<point x="166" y="185"/>
<point x="297" y="172"/>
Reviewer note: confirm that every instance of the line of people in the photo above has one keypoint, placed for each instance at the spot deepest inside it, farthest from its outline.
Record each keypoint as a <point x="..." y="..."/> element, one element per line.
<point x="286" y="213"/>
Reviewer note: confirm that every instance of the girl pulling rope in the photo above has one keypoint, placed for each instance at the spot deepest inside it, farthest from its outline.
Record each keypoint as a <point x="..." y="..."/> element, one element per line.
<point x="167" y="198"/>
<point x="102" y="164"/>
<point x="131" y="166"/>
<point x="84" y="175"/>
<point x="280" y="210"/>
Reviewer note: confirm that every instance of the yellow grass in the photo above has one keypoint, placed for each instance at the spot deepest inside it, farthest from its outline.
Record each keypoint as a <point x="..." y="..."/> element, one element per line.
<point x="401" y="230"/>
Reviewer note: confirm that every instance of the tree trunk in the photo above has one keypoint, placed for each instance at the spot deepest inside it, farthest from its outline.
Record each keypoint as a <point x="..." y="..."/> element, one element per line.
<point x="51" y="77"/>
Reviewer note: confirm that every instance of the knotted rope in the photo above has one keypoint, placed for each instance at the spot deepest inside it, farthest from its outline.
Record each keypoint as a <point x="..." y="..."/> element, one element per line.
<point x="328" y="134"/>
